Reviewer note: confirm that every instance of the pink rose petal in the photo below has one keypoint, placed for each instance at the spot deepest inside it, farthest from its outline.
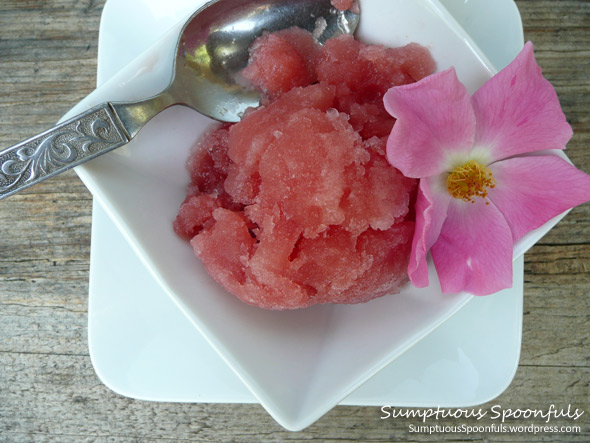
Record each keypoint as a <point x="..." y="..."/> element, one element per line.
<point x="434" y="118"/>
<point x="474" y="250"/>
<point x="431" y="212"/>
<point x="518" y="111"/>
<point x="532" y="190"/>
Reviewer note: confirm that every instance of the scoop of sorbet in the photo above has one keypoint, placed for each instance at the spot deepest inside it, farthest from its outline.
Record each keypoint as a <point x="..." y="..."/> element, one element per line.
<point x="296" y="204"/>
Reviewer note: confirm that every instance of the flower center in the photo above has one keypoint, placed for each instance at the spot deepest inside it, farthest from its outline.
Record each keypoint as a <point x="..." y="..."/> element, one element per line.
<point x="469" y="181"/>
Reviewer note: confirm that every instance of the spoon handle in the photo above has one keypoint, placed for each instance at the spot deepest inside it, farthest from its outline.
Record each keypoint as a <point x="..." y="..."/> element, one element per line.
<point x="68" y="144"/>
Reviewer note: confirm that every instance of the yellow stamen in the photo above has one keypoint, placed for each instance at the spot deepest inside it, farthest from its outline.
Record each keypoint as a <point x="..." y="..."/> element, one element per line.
<point x="469" y="181"/>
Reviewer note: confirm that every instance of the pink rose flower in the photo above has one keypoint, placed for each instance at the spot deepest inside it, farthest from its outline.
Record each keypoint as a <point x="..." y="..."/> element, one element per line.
<point x="483" y="183"/>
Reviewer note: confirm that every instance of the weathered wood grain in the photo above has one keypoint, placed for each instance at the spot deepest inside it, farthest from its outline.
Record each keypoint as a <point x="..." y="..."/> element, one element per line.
<point x="48" y="388"/>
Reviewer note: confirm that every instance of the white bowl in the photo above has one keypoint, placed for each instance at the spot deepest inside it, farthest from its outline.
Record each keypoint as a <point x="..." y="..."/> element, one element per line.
<point x="298" y="364"/>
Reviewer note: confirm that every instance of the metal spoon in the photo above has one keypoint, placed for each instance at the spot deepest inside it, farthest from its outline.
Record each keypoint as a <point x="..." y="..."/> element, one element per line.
<point x="211" y="52"/>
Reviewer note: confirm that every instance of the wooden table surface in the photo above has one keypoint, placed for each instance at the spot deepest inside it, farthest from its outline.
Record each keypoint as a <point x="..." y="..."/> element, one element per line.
<point x="48" y="387"/>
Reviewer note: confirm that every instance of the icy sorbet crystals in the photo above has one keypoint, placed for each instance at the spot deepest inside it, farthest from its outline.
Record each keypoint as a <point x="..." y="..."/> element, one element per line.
<point x="297" y="204"/>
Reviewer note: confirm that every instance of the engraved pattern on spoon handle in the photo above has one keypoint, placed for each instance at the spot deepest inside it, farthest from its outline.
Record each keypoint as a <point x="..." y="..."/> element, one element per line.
<point x="68" y="144"/>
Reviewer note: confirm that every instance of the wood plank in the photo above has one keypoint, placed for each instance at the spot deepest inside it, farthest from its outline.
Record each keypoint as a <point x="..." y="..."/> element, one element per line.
<point x="66" y="386"/>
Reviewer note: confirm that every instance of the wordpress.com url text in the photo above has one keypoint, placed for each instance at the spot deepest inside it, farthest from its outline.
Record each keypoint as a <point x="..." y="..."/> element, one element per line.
<point x="493" y="428"/>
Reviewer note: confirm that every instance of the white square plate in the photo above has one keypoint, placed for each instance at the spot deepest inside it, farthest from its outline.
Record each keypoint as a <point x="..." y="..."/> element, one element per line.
<point x="143" y="347"/>
<point x="297" y="364"/>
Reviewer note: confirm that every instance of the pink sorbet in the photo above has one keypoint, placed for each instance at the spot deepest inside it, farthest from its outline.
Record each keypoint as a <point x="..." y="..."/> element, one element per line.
<point x="342" y="5"/>
<point x="297" y="204"/>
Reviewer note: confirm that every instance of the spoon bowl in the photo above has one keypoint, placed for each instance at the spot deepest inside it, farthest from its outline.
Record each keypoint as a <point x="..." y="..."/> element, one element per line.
<point x="209" y="63"/>
<point x="211" y="52"/>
